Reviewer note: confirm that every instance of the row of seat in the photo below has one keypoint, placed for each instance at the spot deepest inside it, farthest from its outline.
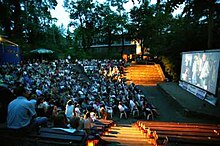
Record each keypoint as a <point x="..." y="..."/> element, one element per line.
<point x="164" y="133"/>
<point x="56" y="136"/>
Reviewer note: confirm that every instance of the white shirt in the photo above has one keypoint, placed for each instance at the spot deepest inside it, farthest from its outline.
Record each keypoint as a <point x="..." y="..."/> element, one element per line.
<point x="121" y="108"/>
<point x="132" y="104"/>
<point x="78" y="112"/>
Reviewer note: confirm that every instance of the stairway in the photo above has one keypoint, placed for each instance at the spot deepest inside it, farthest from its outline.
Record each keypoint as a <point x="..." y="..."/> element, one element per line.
<point x="126" y="135"/>
<point x="147" y="75"/>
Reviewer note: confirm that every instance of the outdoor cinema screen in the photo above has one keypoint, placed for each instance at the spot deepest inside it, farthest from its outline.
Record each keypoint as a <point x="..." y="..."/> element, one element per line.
<point x="201" y="69"/>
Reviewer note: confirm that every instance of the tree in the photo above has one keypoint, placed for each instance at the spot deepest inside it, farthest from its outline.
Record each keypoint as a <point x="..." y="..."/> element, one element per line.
<point x="122" y="17"/>
<point x="81" y="12"/>
<point x="142" y="26"/>
<point x="204" y="14"/>
<point x="26" y="21"/>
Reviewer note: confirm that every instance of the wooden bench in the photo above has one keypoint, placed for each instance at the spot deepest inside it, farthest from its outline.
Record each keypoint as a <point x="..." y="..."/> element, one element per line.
<point x="101" y="126"/>
<point x="45" y="136"/>
<point x="50" y="136"/>
<point x="154" y="123"/>
<point x="181" y="133"/>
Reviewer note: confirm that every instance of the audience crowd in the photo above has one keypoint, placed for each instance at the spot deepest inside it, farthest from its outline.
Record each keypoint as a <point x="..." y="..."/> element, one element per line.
<point x="87" y="89"/>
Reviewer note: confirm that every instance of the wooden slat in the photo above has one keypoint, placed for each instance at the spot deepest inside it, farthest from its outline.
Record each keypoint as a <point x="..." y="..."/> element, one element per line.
<point x="187" y="133"/>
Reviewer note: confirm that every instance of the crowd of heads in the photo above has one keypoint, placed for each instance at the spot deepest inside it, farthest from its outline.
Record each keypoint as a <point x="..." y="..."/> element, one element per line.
<point x="88" y="86"/>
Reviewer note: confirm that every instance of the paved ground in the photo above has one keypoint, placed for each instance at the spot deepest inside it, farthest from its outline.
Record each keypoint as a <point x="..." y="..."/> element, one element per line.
<point x="175" y="104"/>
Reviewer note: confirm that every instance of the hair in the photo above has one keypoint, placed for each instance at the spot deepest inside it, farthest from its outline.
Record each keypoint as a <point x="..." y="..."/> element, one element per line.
<point x="69" y="102"/>
<point x="60" y="120"/>
<point x="74" y="122"/>
<point x="20" y="90"/>
<point x="87" y="115"/>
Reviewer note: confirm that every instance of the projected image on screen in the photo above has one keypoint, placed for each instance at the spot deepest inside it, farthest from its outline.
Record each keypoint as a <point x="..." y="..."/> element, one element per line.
<point x="201" y="69"/>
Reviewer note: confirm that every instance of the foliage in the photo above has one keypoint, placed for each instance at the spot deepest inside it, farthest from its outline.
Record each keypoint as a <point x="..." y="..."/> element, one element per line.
<point x="29" y="24"/>
<point x="165" y="35"/>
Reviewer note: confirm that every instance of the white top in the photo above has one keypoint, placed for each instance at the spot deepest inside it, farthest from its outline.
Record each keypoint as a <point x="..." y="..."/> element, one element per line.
<point x="121" y="108"/>
<point x="132" y="104"/>
<point x="69" y="111"/>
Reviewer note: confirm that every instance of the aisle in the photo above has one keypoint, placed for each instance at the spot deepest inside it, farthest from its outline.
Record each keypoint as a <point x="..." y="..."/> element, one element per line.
<point x="125" y="135"/>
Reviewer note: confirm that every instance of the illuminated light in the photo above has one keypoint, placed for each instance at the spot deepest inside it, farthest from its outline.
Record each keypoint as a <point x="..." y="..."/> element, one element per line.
<point x="91" y="143"/>
<point x="215" y="131"/>
<point x="106" y="133"/>
<point x="148" y="132"/>
<point x="96" y="141"/>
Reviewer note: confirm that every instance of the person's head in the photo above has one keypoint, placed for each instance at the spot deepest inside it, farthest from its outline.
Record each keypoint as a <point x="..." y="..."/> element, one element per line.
<point x="87" y="115"/>
<point x="69" y="102"/>
<point x="21" y="91"/>
<point x="74" y="122"/>
<point x="60" y="120"/>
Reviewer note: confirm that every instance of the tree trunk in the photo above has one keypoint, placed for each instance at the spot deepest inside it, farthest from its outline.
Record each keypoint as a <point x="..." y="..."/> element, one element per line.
<point x="210" y="27"/>
<point x="122" y="43"/>
<point x="17" y="21"/>
<point x="158" y="6"/>
<point x="109" y="38"/>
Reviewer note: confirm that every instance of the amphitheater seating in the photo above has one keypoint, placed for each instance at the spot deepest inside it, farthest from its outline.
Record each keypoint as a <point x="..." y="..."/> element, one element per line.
<point x="53" y="136"/>
<point x="181" y="133"/>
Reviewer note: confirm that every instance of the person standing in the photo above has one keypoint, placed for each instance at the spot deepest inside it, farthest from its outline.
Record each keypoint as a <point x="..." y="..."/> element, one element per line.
<point x="195" y="70"/>
<point x="204" y="68"/>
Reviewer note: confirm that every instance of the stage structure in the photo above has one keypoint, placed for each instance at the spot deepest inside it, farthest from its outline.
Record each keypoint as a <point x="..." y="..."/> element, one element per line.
<point x="200" y="71"/>
<point x="9" y="52"/>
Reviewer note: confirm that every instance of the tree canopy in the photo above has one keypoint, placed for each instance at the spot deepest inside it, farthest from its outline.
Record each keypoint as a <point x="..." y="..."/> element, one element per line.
<point x="30" y="24"/>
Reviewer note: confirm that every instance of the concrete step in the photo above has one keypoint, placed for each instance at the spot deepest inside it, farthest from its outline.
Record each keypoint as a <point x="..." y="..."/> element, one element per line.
<point x="144" y="74"/>
<point x="128" y="135"/>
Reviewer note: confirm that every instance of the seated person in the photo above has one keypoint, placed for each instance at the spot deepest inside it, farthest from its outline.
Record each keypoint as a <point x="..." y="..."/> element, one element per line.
<point x="103" y="112"/>
<point x="87" y="122"/>
<point x="153" y="109"/>
<point x="77" y="110"/>
<point x="75" y="124"/>
<point x="69" y="111"/>
<point x="41" y="108"/>
<point x="133" y="107"/>
<point x="122" y="110"/>
<point x="60" y="120"/>
<point x="21" y="112"/>
<point x="147" y="111"/>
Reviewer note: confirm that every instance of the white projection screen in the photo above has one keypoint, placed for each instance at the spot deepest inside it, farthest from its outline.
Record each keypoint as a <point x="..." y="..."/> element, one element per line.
<point x="201" y="69"/>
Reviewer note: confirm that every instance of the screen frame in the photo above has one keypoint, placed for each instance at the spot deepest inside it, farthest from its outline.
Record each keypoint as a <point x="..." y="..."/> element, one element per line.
<point x="218" y="71"/>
